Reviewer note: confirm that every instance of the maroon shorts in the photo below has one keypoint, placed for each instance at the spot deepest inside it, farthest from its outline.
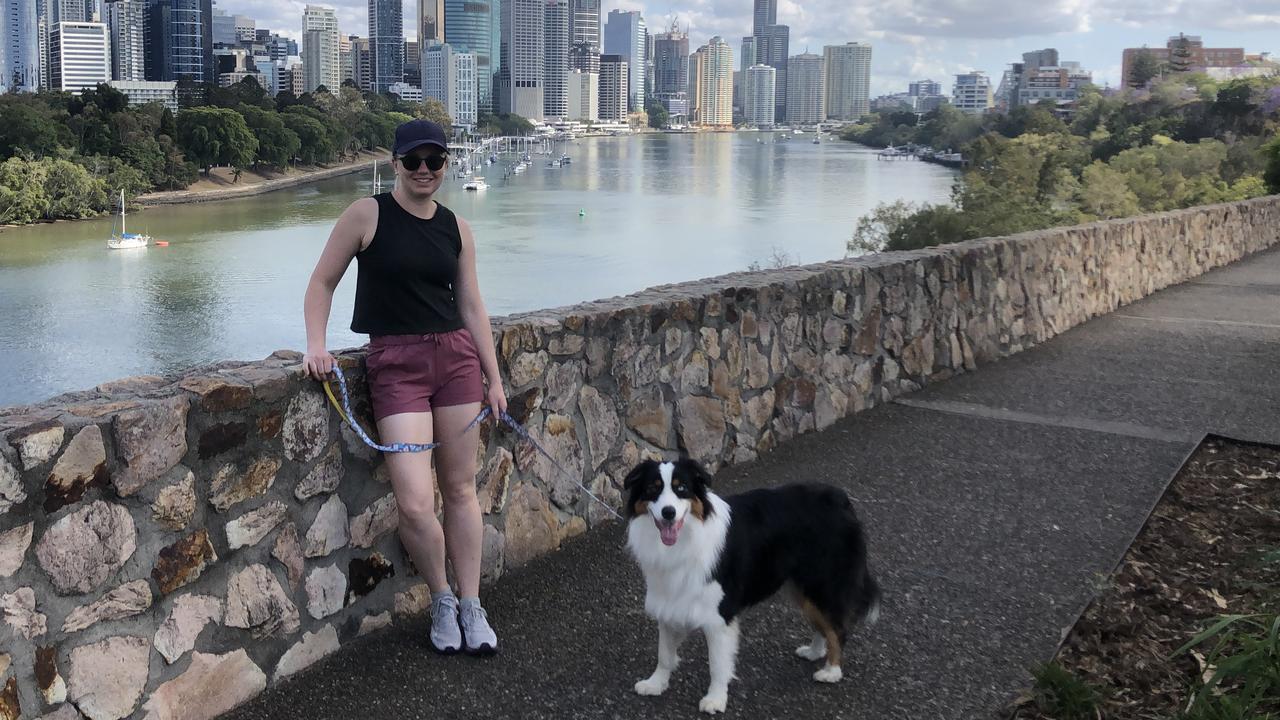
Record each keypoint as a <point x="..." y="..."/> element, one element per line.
<point x="412" y="373"/>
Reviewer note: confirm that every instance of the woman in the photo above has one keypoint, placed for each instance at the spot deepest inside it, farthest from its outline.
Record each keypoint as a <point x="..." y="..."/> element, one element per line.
<point x="430" y="339"/>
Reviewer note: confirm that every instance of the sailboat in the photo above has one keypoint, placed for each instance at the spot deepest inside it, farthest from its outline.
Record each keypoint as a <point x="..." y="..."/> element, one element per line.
<point x="377" y="180"/>
<point x="126" y="240"/>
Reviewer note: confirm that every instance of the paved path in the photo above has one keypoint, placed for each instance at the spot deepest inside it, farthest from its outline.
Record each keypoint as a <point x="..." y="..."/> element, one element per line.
<point x="995" y="502"/>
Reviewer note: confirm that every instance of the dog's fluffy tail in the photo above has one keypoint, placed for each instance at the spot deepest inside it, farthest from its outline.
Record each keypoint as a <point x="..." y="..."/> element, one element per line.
<point x="867" y="600"/>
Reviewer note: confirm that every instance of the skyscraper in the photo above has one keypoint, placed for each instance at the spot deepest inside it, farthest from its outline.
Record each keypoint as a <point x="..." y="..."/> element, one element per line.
<point x="521" y="74"/>
<point x="179" y="40"/>
<point x="320" y="62"/>
<point x="614" y="76"/>
<point x="772" y="48"/>
<point x="386" y="43"/>
<point x="468" y="28"/>
<point x="806" y="89"/>
<point x="80" y="57"/>
<point x="766" y="14"/>
<point x="849" y="80"/>
<point x="584" y="35"/>
<point x="19" y="47"/>
<point x="124" y="32"/>
<point x="450" y="77"/>
<point x="624" y="35"/>
<point x="671" y="71"/>
<point x="715" y="81"/>
<point x="431" y="18"/>
<point x="758" y="89"/>
<point x="556" y="61"/>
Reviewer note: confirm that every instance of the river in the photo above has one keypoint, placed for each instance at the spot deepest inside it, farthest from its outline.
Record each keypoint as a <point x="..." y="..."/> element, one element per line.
<point x="627" y="214"/>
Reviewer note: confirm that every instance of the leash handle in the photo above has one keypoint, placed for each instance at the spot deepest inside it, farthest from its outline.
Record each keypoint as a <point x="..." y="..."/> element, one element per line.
<point x="345" y="412"/>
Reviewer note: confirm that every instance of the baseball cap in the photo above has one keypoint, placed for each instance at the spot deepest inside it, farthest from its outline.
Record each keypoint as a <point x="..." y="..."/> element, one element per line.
<point x="417" y="133"/>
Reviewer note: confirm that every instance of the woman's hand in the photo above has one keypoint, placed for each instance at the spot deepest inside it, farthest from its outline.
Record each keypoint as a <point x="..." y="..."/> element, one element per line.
<point x="496" y="399"/>
<point x="318" y="364"/>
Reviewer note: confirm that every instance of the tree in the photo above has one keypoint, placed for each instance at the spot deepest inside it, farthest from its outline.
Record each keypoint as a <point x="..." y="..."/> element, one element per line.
<point x="1144" y="68"/>
<point x="277" y="144"/>
<point x="435" y="111"/>
<point x="73" y="192"/>
<point x="22" y="191"/>
<point x="659" y="118"/>
<point x="314" y="144"/>
<point x="216" y="136"/>
<point x="1272" y="174"/>
<point x="1104" y="193"/>
<point x="26" y="128"/>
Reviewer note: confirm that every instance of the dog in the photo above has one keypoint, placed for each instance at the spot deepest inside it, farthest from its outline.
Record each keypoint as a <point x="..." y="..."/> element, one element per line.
<point x="706" y="559"/>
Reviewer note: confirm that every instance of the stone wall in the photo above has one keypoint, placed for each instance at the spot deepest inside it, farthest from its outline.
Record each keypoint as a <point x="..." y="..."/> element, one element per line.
<point x="171" y="546"/>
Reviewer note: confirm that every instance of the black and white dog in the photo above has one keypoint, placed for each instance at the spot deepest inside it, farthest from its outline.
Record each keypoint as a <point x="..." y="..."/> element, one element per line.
<point x="706" y="559"/>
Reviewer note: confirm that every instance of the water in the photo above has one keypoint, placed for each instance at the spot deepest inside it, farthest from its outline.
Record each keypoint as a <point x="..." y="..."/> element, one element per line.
<point x="658" y="209"/>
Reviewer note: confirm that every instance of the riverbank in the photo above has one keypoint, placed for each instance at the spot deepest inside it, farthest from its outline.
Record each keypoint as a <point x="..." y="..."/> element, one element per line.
<point x="218" y="185"/>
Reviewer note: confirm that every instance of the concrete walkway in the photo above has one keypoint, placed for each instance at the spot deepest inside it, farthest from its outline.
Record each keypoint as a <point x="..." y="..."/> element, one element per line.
<point x="995" y="503"/>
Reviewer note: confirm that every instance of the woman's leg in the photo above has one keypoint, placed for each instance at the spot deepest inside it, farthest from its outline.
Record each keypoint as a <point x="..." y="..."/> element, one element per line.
<point x="411" y="480"/>
<point x="456" y="467"/>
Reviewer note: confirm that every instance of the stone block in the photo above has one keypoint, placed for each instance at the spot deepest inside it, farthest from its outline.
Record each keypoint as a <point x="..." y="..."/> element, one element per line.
<point x="82" y="550"/>
<point x="149" y="440"/>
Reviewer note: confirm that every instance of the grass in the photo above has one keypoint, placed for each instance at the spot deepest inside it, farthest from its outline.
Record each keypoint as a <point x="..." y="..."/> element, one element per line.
<point x="1058" y="693"/>
<point x="1240" y="677"/>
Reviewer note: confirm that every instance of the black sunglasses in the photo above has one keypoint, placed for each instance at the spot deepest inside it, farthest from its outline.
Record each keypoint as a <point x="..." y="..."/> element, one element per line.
<point x="434" y="162"/>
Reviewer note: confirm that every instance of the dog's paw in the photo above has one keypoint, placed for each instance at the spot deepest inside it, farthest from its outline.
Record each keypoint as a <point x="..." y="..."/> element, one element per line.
<point x="714" y="703"/>
<point x="650" y="686"/>
<point x="829" y="674"/>
<point x="811" y="652"/>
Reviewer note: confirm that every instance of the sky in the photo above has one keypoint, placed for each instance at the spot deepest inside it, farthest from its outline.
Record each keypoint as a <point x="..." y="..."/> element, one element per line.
<point x="915" y="39"/>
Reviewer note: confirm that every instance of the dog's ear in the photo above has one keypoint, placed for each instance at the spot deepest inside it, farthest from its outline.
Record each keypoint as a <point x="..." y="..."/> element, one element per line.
<point x="695" y="470"/>
<point x="637" y="474"/>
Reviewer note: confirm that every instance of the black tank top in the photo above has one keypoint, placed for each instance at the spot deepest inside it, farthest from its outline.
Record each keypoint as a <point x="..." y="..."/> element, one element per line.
<point x="405" y="278"/>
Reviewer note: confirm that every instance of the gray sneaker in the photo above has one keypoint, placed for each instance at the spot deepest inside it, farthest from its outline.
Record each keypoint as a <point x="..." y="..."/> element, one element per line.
<point x="446" y="636"/>
<point x="480" y="638"/>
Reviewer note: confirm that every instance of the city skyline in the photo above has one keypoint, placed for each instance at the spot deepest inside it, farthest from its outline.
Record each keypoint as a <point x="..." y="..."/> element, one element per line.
<point x="913" y="39"/>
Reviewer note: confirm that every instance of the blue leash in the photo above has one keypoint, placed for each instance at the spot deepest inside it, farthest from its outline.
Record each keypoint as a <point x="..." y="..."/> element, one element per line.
<point x="345" y="411"/>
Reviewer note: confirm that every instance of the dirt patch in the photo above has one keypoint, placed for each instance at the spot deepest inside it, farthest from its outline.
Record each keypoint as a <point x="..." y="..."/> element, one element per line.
<point x="1203" y="553"/>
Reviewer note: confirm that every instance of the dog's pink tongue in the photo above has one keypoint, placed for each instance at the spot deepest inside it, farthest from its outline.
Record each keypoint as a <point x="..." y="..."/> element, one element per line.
<point x="670" y="533"/>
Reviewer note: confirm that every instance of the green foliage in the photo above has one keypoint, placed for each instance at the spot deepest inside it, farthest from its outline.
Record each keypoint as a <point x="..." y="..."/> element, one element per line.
<point x="1272" y="173"/>
<point x="73" y="193"/>
<point x="504" y="124"/>
<point x="658" y="115"/>
<point x="277" y="144"/>
<point x="216" y="136"/>
<point x="315" y="145"/>
<point x="22" y="192"/>
<point x="1242" y="668"/>
<point x="1144" y="68"/>
<point x="435" y="111"/>
<point x="1061" y="695"/>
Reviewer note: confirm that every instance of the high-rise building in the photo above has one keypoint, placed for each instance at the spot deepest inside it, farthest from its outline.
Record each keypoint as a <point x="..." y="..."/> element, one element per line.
<point x="584" y="35"/>
<point x="758" y="105"/>
<point x="924" y="88"/>
<point x="345" y="65"/>
<point x="624" y="35"/>
<point x="848" y="88"/>
<point x="246" y="30"/>
<point x="583" y="96"/>
<point x="715" y="81"/>
<point x="386" y="42"/>
<point x="468" y="28"/>
<point x="80" y="56"/>
<point x="360" y="60"/>
<point x="806" y="89"/>
<point x="450" y="77"/>
<point x="521" y="74"/>
<point x="19" y="47"/>
<point x="124" y="31"/>
<point x="972" y="93"/>
<point x="670" y="62"/>
<point x="614" y="76"/>
<point x="695" y="86"/>
<point x="430" y="25"/>
<point x="413" y="63"/>
<point x="224" y="28"/>
<point x="320" y="62"/>
<point x="773" y="47"/>
<point x="71" y="11"/>
<point x="179" y="40"/>
<point x="556" y="60"/>
<point x="766" y="14"/>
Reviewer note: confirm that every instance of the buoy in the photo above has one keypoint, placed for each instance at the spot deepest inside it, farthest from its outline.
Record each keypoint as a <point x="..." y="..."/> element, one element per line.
<point x="582" y="213"/>
<point x="162" y="243"/>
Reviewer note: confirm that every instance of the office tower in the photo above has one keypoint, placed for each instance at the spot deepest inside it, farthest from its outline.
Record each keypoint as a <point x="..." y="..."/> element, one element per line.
<point x="758" y="101"/>
<point x="178" y="36"/>
<point x="772" y="48"/>
<point x="468" y="28"/>
<point x="413" y="63"/>
<point x="20" y="47"/>
<point x="624" y="35"/>
<point x="849" y="80"/>
<point x="521" y="75"/>
<point x="715" y="83"/>
<point x="614" y="76"/>
<point x="450" y="77"/>
<point x="320" y="62"/>
<point x="79" y="55"/>
<point x="584" y="35"/>
<point x="386" y="43"/>
<point x="556" y="61"/>
<point x="766" y="14"/>
<point x="583" y="96"/>
<point x="430" y="25"/>
<point x="123" y="19"/>
<point x="806" y="89"/>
